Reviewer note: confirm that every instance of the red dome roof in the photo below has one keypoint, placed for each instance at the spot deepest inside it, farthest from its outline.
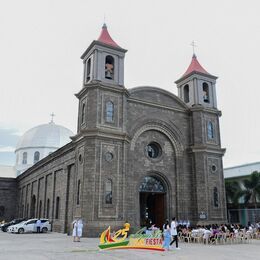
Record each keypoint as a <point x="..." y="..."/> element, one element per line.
<point x="106" y="38"/>
<point x="195" y="67"/>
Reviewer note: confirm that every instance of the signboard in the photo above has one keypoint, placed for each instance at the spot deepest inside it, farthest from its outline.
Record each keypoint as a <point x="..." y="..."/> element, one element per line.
<point x="139" y="240"/>
<point x="202" y="215"/>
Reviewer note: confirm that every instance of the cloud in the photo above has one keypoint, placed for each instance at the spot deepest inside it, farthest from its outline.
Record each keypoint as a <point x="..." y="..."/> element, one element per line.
<point x="8" y="138"/>
<point x="7" y="158"/>
<point x="8" y="141"/>
<point x="6" y="148"/>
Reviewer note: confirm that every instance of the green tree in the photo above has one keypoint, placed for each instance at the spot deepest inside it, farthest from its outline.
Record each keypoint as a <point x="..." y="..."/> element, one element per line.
<point x="233" y="191"/>
<point x="252" y="188"/>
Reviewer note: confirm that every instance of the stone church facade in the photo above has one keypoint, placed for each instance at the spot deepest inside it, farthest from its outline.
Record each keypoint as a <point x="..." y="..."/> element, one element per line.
<point x="139" y="154"/>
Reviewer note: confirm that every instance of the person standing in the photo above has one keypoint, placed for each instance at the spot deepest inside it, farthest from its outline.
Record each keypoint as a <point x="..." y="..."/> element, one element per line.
<point x="80" y="229"/>
<point x="75" y="230"/>
<point x="166" y="235"/>
<point x="174" y="232"/>
<point x="38" y="225"/>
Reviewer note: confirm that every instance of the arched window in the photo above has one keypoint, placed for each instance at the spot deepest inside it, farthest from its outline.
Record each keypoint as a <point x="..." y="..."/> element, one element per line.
<point x="78" y="192"/>
<point x="205" y="87"/>
<point x="36" y="157"/>
<point x="108" y="192"/>
<point x="109" y="111"/>
<point x="210" y="130"/>
<point x="88" y="69"/>
<point x="109" y="67"/>
<point x="2" y="211"/>
<point x="48" y="208"/>
<point x="151" y="184"/>
<point x="40" y="209"/>
<point x="33" y="204"/>
<point x="24" y="158"/>
<point x="57" y="211"/>
<point x="83" y="113"/>
<point x="215" y="196"/>
<point x="186" y="93"/>
<point x="27" y="211"/>
<point x="22" y="211"/>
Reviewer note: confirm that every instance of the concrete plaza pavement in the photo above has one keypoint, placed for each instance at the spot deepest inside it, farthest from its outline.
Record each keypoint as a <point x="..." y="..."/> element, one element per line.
<point x="60" y="246"/>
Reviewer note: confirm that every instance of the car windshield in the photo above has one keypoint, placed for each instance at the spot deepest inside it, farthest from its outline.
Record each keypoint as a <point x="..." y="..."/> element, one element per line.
<point x="21" y="223"/>
<point x="32" y="221"/>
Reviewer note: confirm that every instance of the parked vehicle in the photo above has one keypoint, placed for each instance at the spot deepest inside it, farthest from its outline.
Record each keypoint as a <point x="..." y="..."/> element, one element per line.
<point x="5" y="226"/>
<point x="30" y="226"/>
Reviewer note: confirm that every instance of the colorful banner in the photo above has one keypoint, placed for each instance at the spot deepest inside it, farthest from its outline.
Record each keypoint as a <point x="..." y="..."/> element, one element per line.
<point x="151" y="240"/>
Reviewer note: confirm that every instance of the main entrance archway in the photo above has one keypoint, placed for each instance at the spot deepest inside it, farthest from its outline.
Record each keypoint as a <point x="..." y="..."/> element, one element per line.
<point x="152" y="194"/>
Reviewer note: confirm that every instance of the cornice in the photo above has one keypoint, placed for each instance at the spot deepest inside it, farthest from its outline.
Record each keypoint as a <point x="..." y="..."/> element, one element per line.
<point x="152" y="104"/>
<point x="101" y="132"/>
<point x="104" y="86"/>
<point x="207" y="149"/>
<point x="200" y="108"/>
<point x="193" y="75"/>
<point x="106" y="46"/>
<point x="8" y="179"/>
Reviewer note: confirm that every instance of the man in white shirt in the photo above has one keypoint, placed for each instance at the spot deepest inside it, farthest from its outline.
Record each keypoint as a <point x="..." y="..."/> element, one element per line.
<point x="38" y="225"/>
<point x="174" y="232"/>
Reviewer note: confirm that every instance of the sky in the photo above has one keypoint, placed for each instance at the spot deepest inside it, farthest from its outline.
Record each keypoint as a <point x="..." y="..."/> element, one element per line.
<point x="41" y="42"/>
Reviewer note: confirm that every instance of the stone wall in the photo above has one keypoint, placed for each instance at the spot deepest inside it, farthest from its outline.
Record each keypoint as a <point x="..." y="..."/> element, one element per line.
<point x="46" y="189"/>
<point x="74" y="180"/>
<point x="8" y="198"/>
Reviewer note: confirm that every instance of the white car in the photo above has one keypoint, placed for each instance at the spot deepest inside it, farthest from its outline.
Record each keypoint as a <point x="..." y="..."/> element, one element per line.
<point x="30" y="226"/>
<point x="11" y="228"/>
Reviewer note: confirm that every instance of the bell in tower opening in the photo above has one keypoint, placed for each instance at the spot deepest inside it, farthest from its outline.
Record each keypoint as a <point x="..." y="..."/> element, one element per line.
<point x="205" y="92"/>
<point x="109" y="67"/>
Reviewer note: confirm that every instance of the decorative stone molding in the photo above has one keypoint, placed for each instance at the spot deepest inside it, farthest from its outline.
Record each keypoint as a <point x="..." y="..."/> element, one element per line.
<point x="173" y="137"/>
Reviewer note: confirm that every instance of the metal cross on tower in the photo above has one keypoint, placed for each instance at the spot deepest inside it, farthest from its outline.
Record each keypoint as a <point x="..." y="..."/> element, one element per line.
<point x="193" y="47"/>
<point x="52" y="115"/>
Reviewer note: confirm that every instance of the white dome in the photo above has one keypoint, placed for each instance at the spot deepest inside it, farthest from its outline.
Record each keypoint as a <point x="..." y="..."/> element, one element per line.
<point x="47" y="136"/>
<point x="38" y="143"/>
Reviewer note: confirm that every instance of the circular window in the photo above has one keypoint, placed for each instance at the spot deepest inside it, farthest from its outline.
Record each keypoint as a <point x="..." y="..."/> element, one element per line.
<point x="109" y="156"/>
<point x="153" y="150"/>
<point x="213" y="168"/>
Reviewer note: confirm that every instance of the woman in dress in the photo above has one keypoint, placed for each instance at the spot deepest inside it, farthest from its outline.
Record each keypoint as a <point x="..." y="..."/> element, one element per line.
<point x="80" y="229"/>
<point x="166" y="235"/>
<point x="75" y="230"/>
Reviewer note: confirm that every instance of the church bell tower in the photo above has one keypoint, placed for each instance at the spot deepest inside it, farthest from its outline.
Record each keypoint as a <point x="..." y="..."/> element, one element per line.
<point x="101" y="134"/>
<point x="103" y="75"/>
<point x="104" y="61"/>
<point x="197" y="86"/>
<point x="197" y="89"/>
